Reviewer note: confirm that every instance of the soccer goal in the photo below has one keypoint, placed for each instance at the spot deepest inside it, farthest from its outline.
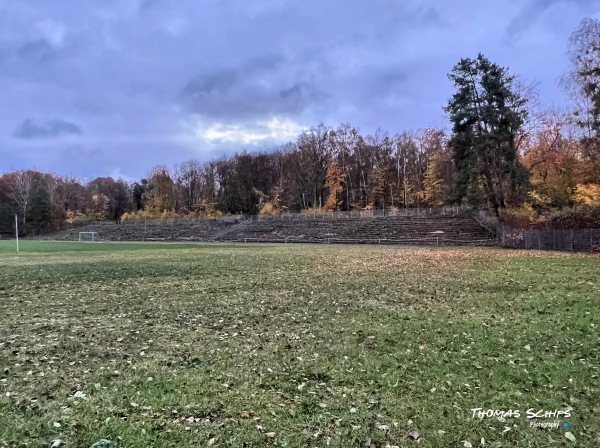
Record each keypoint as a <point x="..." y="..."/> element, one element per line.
<point x="88" y="237"/>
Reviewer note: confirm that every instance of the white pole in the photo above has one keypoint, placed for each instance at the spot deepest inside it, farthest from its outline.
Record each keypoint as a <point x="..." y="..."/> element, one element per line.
<point x="17" y="231"/>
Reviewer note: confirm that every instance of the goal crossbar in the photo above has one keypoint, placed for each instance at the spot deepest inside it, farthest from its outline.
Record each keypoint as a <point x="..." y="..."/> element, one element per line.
<point x="88" y="237"/>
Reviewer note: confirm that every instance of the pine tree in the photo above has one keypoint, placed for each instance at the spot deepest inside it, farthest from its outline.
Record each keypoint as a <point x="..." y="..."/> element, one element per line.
<point x="486" y="114"/>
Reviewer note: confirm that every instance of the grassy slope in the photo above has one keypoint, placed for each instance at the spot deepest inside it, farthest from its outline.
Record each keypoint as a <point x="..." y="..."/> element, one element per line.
<point x="340" y="344"/>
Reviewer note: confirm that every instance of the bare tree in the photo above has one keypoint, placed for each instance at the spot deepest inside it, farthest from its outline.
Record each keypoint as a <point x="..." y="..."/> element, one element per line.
<point x="583" y="85"/>
<point x="20" y="191"/>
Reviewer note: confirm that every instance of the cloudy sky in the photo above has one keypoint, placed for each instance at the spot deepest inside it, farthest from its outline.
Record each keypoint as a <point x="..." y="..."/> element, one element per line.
<point x="113" y="87"/>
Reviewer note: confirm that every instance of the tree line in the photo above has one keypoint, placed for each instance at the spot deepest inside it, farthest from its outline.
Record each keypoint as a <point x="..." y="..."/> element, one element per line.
<point x="503" y="152"/>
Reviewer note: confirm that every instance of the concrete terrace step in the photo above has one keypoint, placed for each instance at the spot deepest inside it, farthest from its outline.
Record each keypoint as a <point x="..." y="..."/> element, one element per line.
<point x="431" y="230"/>
<point x="409" y="230"/>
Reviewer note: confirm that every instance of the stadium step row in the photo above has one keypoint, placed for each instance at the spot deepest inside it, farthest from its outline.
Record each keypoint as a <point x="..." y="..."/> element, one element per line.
<point x="399" y="230"/>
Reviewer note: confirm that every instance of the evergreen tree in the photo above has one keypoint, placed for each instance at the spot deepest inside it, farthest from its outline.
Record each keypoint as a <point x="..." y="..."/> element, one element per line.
<point x="39" y="212"/>
<point x="486" y="113"/>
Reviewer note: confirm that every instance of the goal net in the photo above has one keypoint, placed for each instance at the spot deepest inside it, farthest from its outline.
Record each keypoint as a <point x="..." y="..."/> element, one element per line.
<point x="88" y="237"/>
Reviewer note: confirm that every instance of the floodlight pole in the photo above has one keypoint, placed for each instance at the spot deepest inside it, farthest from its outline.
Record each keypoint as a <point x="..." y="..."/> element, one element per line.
<point x="17" y="230"/>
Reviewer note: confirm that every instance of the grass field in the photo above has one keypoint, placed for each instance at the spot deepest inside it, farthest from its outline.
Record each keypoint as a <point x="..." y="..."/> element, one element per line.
<point x="152" y="345"/>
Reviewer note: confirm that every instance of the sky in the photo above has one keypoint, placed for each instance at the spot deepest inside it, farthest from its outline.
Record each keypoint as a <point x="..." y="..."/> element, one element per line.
<point x="114" y="87"/>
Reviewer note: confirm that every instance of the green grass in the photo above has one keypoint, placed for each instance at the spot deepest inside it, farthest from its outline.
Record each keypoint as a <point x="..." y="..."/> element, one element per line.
<point x="187" y="345"/>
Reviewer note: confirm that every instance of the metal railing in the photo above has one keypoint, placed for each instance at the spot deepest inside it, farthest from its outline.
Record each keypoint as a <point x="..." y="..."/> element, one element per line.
<point x="372" y="213"/>
<point x="432" y="241"/>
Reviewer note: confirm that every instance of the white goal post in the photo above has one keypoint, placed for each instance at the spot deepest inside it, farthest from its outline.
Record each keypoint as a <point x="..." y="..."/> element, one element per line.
<point x="88" y="237"/>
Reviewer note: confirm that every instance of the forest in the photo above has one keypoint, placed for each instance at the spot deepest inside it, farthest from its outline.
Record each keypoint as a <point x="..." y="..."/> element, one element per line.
<point x="505" y="152"/>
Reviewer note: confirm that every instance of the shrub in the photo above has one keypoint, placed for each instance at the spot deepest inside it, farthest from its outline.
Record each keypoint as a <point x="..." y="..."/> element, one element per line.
<point x="519" y="217"/>
<point x="582" y="217"/>
<point x="268" y="208"/>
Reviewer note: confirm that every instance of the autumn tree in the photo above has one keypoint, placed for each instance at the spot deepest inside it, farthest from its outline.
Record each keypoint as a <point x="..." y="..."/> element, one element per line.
<point x="342" y="142"/>
<point x="110" y="198"/>
<point x="550" y="154"/>
<point x="439" y="177"/>
<point x="334" y="179"/>
<point x="486" y="114"/>
<point x="160" y="195"/>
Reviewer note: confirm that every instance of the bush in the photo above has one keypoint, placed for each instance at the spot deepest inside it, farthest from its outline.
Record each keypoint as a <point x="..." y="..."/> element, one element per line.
<point x="268" y="208"/>
<point x="312" y="211"/>
<point x="582" y="217"/>
<point x="520" y="217"/>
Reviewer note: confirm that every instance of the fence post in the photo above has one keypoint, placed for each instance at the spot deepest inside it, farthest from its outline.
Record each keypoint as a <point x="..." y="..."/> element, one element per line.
<point x="553" y="239"/>
<point x="572" y="240"/>
<point x="539" y="241"/>
<point x="591" y="240"/>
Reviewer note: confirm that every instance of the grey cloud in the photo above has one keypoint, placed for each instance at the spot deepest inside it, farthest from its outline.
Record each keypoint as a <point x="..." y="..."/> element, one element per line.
<point x="29" y="129"/>
<point x="250" y="98"/>
<point x="203" y="86"/>
<point x="39" y="50"/>
<point x="531" y="13"/>
<point x="225" y="79"/>
<point x="260" y="87"/>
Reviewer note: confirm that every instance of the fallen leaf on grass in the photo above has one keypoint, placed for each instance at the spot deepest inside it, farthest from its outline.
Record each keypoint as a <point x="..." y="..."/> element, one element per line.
<point x="415" y="435"/>
<point x="102" y="443"/>
<point x="79" y="394"/>
<point x="570" y="436"/>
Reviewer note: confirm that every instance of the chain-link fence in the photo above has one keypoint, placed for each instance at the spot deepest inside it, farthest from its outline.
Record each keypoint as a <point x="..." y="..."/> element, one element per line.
<point x="572" y="240"/>
<point x="582" y="240"/>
